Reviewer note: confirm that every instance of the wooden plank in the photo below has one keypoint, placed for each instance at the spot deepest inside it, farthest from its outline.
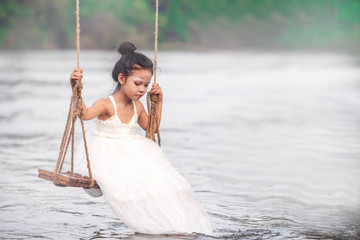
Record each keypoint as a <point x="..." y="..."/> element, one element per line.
<point x="67" y="179"/>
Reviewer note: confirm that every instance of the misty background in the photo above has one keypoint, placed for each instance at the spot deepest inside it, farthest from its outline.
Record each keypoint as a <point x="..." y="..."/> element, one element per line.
<point x="209" y="24"/>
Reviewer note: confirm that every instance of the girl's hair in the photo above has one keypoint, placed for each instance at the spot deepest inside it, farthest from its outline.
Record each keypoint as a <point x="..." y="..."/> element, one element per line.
<point x="129" y="61"/>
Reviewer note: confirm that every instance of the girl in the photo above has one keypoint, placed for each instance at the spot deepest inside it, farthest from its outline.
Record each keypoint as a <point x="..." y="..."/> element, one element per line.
<point x="140" y="185"/>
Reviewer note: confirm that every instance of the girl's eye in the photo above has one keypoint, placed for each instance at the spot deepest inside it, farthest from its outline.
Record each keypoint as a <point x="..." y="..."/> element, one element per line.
<point x="137" y="84"/>
<point x="146" y="85"/>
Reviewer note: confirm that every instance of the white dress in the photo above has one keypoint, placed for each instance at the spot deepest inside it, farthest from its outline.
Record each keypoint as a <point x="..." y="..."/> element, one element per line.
<point x="139" y="183"/>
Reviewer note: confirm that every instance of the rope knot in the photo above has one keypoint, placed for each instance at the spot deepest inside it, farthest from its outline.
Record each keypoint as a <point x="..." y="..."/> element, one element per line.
<point x="79" y="108"/>
<point x="78" y="87"/>
<point x="152" y="105"/>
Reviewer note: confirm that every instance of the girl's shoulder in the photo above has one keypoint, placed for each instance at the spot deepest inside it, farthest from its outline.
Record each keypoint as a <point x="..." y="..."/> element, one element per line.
<point x="139" y="107"/>
<point x="139" y="104"/>
<point x="104" y="103"/>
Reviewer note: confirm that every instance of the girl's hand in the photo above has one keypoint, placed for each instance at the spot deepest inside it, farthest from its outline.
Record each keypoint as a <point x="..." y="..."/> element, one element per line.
<point x="75" y="75"/>
<point x="156" y="89"/>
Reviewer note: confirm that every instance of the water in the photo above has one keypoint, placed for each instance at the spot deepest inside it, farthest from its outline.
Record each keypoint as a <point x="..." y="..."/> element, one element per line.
<point x="269" y="142"/>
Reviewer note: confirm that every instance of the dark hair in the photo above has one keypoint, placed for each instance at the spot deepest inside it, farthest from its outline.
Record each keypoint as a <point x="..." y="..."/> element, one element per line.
<point x="129" y="61"/>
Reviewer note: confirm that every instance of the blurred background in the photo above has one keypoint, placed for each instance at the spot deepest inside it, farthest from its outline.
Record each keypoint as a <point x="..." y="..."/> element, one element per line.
<point x="261" y="112"/>
<point x="211" y="24"/>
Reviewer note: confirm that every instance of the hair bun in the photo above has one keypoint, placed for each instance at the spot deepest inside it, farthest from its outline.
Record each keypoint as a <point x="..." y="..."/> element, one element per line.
<point x="126" y="48"/>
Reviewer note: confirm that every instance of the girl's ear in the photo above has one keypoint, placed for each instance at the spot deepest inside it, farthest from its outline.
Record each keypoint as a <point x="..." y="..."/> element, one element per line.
<point x="121" y="78"/>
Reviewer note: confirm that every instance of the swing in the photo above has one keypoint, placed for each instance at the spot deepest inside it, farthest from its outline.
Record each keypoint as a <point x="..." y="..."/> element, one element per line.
<point x="69" y="178"/>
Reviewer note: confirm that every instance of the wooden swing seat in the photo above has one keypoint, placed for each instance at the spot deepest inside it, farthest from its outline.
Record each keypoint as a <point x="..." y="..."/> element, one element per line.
<point x="67" y="179"/>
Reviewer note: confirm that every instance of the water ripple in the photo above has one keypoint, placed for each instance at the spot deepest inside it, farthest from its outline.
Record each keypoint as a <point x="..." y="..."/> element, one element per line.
<point x="270" y="145"/>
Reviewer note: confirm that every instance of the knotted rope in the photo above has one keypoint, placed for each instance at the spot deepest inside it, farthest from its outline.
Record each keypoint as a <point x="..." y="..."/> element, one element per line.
<point x="75" y="110"/>
<point x="152" y="100"/>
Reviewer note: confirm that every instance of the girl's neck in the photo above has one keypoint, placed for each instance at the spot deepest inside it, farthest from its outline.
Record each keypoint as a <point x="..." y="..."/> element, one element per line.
<point x="122" y="98"/>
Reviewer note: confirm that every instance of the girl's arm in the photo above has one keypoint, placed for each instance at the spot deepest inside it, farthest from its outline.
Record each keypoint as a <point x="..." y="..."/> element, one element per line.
<point x="99" y="106"/>
<point x="143" y="116"/>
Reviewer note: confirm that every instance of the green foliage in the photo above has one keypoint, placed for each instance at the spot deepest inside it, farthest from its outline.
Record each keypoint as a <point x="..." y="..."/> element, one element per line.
<point x="210" y="23"/>
<point x="349" y="12"/>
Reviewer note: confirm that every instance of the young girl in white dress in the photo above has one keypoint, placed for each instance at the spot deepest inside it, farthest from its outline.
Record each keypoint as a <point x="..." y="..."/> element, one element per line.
<point x="140" y="185"/>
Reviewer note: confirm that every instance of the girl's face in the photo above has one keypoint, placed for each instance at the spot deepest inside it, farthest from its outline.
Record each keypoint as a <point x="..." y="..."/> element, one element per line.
<point x="136" y="84"/>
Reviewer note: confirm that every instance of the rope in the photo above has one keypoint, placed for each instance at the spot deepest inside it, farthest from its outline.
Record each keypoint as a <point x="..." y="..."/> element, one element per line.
<point x="75" y="110"/>
<point x="152" y="100"/>
<point x="72" y="143"/>
<point x="156" y="37"/>
<point x="77" y="34"/>
<point x="65" y="136"/>
<point x="85" y="145"/>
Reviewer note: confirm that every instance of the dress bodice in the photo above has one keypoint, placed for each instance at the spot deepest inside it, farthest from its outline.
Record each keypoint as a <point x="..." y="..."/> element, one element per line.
<point x="113" y="127"/>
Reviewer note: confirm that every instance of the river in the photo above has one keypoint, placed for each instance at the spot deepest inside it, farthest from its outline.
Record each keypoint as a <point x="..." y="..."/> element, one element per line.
<point x="270" y="142"/>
